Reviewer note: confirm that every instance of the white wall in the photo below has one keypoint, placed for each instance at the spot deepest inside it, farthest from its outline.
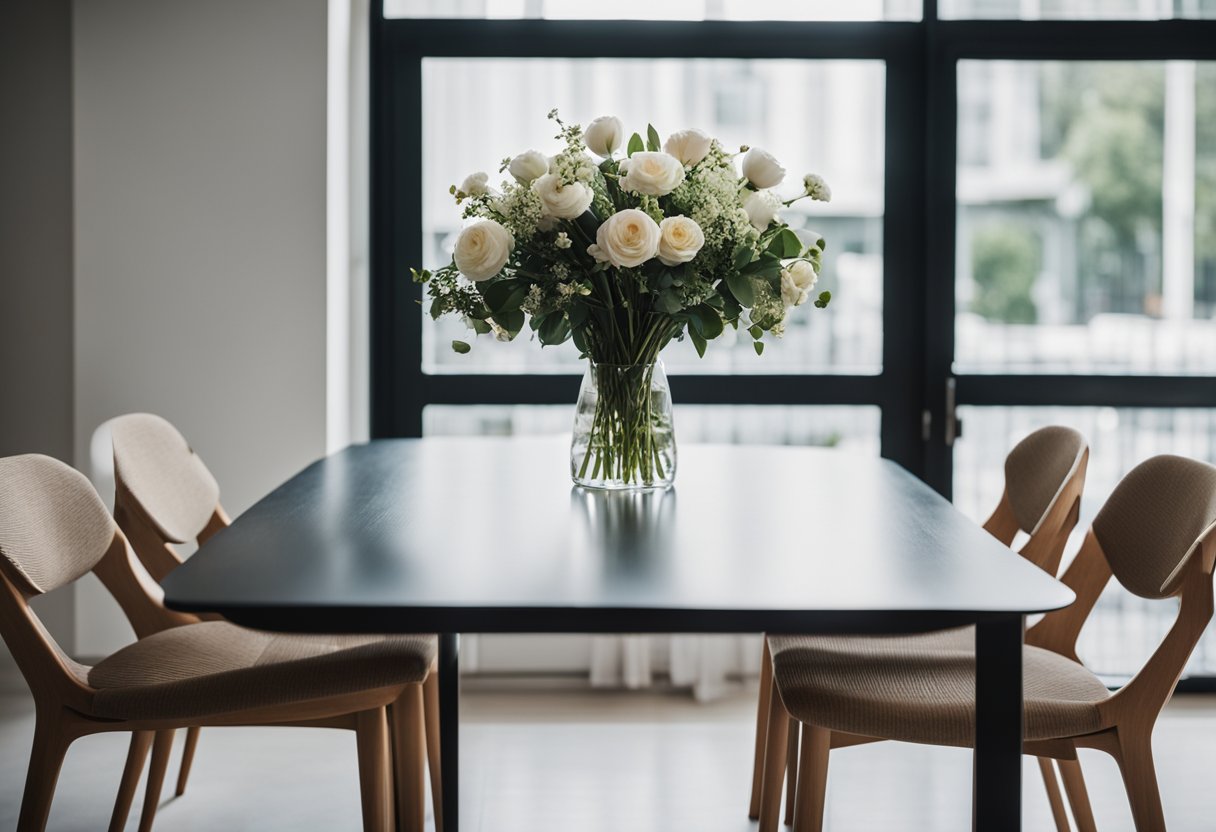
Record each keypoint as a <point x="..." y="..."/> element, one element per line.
<point x="200" y="237"/>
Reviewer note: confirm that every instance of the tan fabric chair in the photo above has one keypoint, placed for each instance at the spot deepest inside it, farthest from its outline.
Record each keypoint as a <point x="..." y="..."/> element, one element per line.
<point x="1156" y="535"/>
<point x="1044" y="479"/>
<point x="54" y="529"/>
<point x="164" y="494"/>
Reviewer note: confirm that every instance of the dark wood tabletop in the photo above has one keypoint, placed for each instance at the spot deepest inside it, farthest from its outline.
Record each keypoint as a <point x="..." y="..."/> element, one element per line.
<point x="488" y="535"/>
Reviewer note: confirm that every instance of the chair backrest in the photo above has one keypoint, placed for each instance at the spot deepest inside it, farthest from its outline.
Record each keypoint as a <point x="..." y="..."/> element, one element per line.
<point x="155" y="465"/>
<point x="1044" y="479"/>
<point x="1156" y="535"/>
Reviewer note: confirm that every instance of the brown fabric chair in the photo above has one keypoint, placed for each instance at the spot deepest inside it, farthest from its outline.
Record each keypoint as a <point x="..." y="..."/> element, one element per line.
<point x="54" y="529"/>
<point x="164" y="494"/>
<point x="1044" y="479"/>
<point x="1156" y="535"/>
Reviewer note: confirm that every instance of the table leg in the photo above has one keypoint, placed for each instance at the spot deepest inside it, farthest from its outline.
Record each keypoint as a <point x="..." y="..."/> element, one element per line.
<point x="449" y="728"/>
<point x="997" y="784"/>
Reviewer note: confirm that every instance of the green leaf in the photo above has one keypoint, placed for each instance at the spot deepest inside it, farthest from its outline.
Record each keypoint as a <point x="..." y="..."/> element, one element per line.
<point x="698" y="342"/>
<point x="635" y="145"/>
<point x="741" y="257"/>
<point x="790" y="244"/>
<point x="741" y="287"/>
<point x="461" y="347"/>
<point x="436" y="311"/>
<point x="577" y="314"/>
<point x="554" y="329"/>
<point x="504" y="295"/>
<point x="668" y="302"/>
<point x="730" y="308"/>
<point x="480" y="327"/>
<point x="759" y="347"/>
<point x="755" y="331"/>
<point x="711" y="323"/>
<point x="512" y="321"/>
<point x="823" y="300"/>
<point x="652" y="138"/>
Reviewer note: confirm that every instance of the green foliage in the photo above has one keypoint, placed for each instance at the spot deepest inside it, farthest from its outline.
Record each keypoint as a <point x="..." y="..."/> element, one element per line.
<point x="1004" y="265"/>
<point x="461" y="347"/>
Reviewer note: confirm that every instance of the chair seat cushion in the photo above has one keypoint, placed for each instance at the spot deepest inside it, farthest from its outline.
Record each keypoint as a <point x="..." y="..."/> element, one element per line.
<point x="216" y="667"/>
<point x="921" y="688"/>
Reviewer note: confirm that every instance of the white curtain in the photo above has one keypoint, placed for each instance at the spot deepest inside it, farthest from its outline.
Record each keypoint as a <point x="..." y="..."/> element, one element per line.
<point x="709" y="666"/>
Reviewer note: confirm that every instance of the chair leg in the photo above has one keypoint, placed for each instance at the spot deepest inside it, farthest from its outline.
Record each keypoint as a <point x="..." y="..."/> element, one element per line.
<point x="1078" y="796"/>
<point x="791" y="769"/>
<point x="430" y="710"/>
<point x="1140" y="779"/>
<point x="51" y="742"/>
<point x="1054" y="798"/>
<point x="774" y="763"/>
<point x="409" y="751"/>
<point x="137" y="755"/>
<point x="162" y="747"/>
<point x="766" y="681"/>
<point x="812" y="779"/>
<point x="371" y="735"/>
<point x="183" y="773"/>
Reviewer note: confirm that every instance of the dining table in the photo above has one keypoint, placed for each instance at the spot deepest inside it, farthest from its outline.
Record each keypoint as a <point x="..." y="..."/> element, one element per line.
<point x="452" y="535"/>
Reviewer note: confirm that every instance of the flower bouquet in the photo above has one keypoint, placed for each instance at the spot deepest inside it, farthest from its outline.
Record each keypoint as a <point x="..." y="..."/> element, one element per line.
<point x="621" y="254"/>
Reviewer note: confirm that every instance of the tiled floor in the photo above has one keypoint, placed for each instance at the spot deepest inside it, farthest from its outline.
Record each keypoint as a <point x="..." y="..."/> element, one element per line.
<point x="593" y="762"/>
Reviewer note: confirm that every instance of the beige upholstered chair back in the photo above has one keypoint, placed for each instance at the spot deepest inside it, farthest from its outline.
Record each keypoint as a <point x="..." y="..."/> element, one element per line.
<point x="1154" y="520"/>
<point x="1037" y="469"/>
<point x="53" y="526"/>
<point x="156" y="465"/>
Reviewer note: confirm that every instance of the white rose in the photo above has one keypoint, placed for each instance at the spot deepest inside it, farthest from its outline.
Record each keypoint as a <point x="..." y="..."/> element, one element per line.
<point x="561" y="200"/>
<point x="628" y="238"/>
<point x="761" y="169"/>
<point x="689" y="146"/>
<point x="797" y="281"/>
<point x="761" y="208"/>
<point x="528" y="166"/>
<point x="604" y="135"/>
<point x="680" y="240"/>
<point x="475" y="184"/>
<point x="482" y="250"/>
<point x="653" y="173"/>
<point x="816" y="188"/>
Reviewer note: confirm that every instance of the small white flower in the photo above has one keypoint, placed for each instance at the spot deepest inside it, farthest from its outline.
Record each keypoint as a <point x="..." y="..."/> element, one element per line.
<point x="482" y="249"/>
<point x="761" y="208"/>
<point x="816" y="188"/>
<point x="689" y="146"/>
<point x="761" y="169"/>
<point x="603" y="135"/>
<point x="797" y="281"/>
<point x="475" y="184"/>
<point x="562" y="241"/>
<point x="626" y="239"/>
<point x="652" y="174"/>
<point x="680" y="240"/>
<point x="528" y="166"/>
<point x="564" y="201"/>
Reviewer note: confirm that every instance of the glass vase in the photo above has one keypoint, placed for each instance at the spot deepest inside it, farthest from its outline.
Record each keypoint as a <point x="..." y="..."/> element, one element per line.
<point x="624" y="437"/>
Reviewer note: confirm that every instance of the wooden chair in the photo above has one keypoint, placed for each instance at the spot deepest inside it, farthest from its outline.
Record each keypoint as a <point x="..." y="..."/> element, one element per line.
<point x="1156" y="535"/>
<point x="1044" y="479"/>
<point x="54" y="529"/>
<point x="164" y="494"/>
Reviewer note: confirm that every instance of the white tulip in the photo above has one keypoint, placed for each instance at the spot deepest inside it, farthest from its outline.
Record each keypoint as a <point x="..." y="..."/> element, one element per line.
<point x="482" y="249"/>
<point x="689" y="146"/>
<point x="761" y="169"/>
<point x="562" y="200"/>
<point x="603" y="135"/>
<point x="652" y="173"/>
<point x="626" y="239"/>
<point x="475" y="184"/>
<point x="680" y="240"/>
<point x="797" y="281"/>
<point x="528" y="166"/>
<point x="762" y="208"/>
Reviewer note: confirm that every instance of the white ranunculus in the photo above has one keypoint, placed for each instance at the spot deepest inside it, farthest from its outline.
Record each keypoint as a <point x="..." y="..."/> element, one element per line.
<point x="482" y="250"/>
<point x="689" y="146"/>
<point x="475" y="184"/>
<point x="761" y="169"/>
<point x="562" y="200"/>
<point x="603" y="135"/>
<point x="653" y="173"/>
<point x="680" y="240"/>
<point x="797" y="281"/>
<point x="761" y="208"/>
<point x="628" y="238"/>
<point x="529" y="166"/>
<point x="816" y="188"/>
